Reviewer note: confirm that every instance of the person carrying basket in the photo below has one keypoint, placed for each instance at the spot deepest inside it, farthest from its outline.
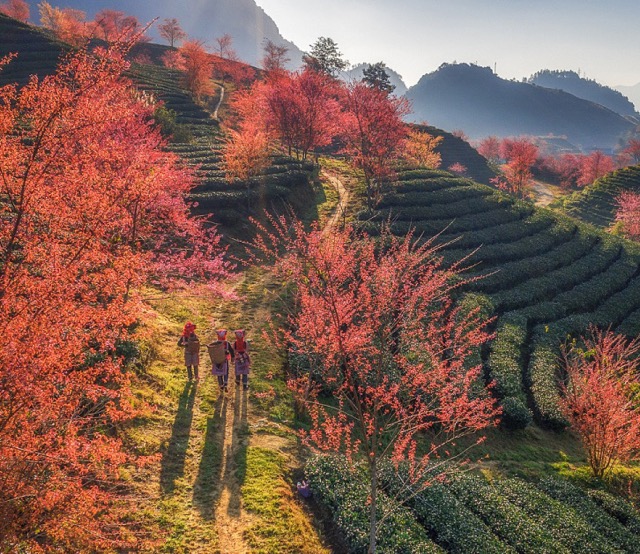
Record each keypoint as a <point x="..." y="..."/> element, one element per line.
<point x="221" y="353"/>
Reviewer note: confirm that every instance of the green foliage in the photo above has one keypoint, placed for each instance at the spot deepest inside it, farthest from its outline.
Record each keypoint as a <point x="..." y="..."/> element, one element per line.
<point x="344" y="492"/>
<point x="596" y="203"/>
<point x="562" y="521"/>
<point x="445" y="517"/>
<point x="589" y="510"/>
<point x="546" y="275"/>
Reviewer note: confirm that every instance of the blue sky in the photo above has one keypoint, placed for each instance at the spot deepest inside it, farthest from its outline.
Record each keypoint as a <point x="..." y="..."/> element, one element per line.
<point x="601" y="38"/>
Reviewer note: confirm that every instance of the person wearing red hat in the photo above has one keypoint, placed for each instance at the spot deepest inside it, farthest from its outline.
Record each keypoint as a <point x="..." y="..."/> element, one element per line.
<point x="191" y="344"/>
<point x="242" y="359"/>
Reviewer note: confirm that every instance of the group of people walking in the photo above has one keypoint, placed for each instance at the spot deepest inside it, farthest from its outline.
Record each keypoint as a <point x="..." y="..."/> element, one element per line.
<point x="222" y="353"/>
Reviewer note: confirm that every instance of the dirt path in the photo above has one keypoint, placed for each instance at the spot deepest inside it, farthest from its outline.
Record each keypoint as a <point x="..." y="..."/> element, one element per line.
<point x="544" y="193"/>
<point x="344" y="196"/>
<point x="215" y="112"/>
<point x="207" y="438"/>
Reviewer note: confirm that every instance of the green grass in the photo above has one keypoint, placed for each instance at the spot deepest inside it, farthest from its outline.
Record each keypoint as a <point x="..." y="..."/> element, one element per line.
<point x="283" y="524"/>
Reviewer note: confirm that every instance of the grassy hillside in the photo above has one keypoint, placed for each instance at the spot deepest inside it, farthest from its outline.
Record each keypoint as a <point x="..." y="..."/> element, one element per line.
<point x="596" y="204"/>
<point x="547" y="277"/>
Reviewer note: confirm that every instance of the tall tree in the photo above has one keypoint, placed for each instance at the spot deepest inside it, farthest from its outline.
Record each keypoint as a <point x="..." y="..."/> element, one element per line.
<point x="171" y="31"/>
<point x="389" y="374"/>
<point x="601" y="398"/>
<point x="116" y="26"/>
<point x="197" y="65"/>
<point x="594" y="166"/>
<point x="325" y="57"/>
<point x="275" y="57"/>
<point x="18" y="9"/>
<point x="376" y="76"/>
<point x="373" y="133"/>
<point x="224" y="47"/>
<point x="489" y="147"/>
<point x="521" y="154"/>
<point x="93" y="209"/>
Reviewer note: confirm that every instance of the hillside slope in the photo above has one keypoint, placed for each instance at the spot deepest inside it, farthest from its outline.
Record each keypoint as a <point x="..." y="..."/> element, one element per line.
<point x="596" y="203"/>
<point x="244" y="20"/>
<point x="474" y="99"/>
<point x="38" y="53"/>
<point x="587" y="89"/>
<point x="545" y="276"/>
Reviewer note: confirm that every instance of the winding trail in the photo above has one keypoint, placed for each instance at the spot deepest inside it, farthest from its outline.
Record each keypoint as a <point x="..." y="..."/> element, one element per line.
<point x="206" y="438"/>
<point x="344" y="198"/>
<point x="215" y="112"/>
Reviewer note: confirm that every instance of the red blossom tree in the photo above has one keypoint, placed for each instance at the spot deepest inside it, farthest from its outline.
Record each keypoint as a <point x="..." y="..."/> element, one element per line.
<point x="171" y="31"/>
<point x="92" y="209"/>
<point x="601" y="398"/>
<point x="373" y="133"/>
<point x="628" y="214"/>
<point x="630" y="154"/>
<point x="388" y="351"/>
<point x="489" y="147"/>
<point x="246" y="154"/>
<point x="594" y="166"/>
<point x="116" y="26"/>
<point x="521" y="155"/>
<point x="67" y="24"/>
<point x="197" y="65"/>
<point x="18" y="9"/>
<point x="300" y="110"/>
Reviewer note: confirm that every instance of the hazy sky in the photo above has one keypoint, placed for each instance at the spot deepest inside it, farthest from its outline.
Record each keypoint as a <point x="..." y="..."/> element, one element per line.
<point x="601" y="38"/>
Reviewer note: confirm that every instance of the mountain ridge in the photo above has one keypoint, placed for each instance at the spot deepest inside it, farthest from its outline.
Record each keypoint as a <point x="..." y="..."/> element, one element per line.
<point x="477" y="101"/>
<point x="247" y="23"/>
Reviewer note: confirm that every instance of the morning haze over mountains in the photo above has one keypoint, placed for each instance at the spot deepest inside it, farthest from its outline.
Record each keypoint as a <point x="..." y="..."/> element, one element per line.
<point x="457" y="96"/>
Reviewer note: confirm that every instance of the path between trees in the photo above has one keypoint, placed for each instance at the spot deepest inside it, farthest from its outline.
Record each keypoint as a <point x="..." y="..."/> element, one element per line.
<point x="210" y="442"/>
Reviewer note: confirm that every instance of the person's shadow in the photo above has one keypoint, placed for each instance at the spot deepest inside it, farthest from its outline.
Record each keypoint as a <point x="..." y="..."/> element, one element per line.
<point x="237" y="456"/>
<point x="173" y="459"/>
<point x="208" y="485"/>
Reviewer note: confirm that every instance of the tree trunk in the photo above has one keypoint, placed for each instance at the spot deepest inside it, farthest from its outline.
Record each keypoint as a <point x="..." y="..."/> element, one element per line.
<point x="372" y="511"/>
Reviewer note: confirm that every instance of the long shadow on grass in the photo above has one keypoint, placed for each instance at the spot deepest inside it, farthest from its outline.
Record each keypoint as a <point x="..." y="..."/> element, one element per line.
<point x="173" y="459"/>
<point x="208" y="486"/>
<point x="237" y="454"/>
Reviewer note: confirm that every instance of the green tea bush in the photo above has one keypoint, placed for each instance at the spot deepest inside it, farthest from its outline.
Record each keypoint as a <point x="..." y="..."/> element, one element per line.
<point x="345" y="493"/>
<point x="445" y="517"/>
<point x="562" y="521"/>
<point x="589" y="510"/>
<point x="507" y="521"/>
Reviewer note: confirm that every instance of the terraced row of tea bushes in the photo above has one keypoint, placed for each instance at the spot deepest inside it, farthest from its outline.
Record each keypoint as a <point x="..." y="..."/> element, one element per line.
<point x="230" y="202"/>
<point x="38" y="52"/>
<point x="545" y="274"/>
<point x="469" y="514"/>
<point x="344" y="492"/>
<point x="454" y="527"/>
<point x="596" y="204"/>
<point x="597" y="518"/>
<point x="505" y="367"/>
